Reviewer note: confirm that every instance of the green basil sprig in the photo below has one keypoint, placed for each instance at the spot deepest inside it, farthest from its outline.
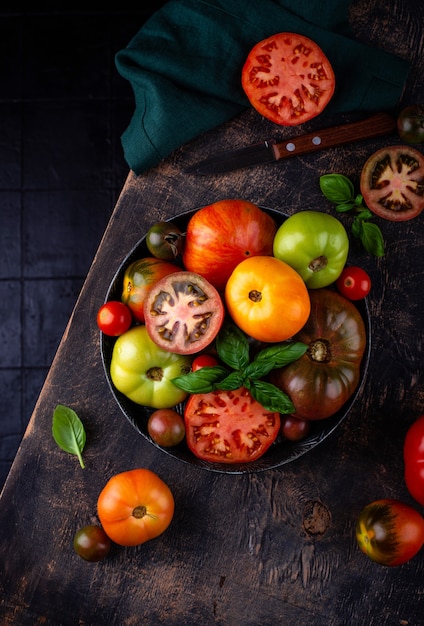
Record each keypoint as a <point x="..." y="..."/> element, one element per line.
<point x="233" y="350"/>
<point x="68" y="431"/>
<point x="339" y="189"/>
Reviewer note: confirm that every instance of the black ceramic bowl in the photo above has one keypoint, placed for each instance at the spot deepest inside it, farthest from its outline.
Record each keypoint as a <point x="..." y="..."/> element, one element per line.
<point x="281" y="451"/>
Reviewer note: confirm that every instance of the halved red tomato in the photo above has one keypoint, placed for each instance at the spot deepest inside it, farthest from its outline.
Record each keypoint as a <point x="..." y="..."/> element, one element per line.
<point x="139" y="277"/>
<point x="183" y="313"/>
<point x="221" y="235"/>
<point x="229" y="426"/>
<point x="288" y="78"/>
<point x="392" y="183"/>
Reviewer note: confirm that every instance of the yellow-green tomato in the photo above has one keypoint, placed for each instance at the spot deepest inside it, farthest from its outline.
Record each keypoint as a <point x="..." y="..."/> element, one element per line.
<point x="315" y="244"/>
<point x="143" y="372"/>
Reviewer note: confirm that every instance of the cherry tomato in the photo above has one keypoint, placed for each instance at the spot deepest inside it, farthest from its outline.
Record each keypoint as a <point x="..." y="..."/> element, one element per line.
<point x="139" y="278"/>
<point x="114" y="318"/>
<point x="165" y="241"/>
<point x="135" y="506"/>
<point x="392" y="183"/>
<point x="203" y="360"/>
<point x="390" y="532"/>
<point x="294" y="428"/>
<point x="413" y="455"/>
<point x="229" y="426"/>
<point x="267" y="299"/>
<point x="183" y="313"/>
<point x="315" y="244"/>
<point x="410" y="124"/>
<point x="354" y="283"/>
<point x="92" y="543"/>
<point x="288" y="79"/>
<point x="220" y="235"/>
<point x="166" y="427"/>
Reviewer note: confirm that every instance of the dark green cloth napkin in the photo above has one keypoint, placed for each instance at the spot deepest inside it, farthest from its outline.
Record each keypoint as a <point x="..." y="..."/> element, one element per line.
<point x="185" y="63"/>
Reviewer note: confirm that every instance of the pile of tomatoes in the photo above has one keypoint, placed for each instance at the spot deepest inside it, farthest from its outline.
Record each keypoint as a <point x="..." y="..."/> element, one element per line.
<point x="276" y="283"/>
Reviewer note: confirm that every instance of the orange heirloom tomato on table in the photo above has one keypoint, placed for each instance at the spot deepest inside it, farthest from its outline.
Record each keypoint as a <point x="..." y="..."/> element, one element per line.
<point x="135" y="506"/>
<point x="222" y="234"/>
<point x="267" y="299"/>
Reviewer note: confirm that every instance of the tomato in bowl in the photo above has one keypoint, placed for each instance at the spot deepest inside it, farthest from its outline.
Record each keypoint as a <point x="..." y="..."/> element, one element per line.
<point x="282" y="450"/>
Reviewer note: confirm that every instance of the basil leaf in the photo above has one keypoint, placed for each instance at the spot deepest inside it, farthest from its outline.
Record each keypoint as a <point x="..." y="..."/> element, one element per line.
<point x="337" y="188"/>
<point x="202" y="380"/>
<point x="281" y="354"/>
<point x="232" y="347"/>
<point x="270" y="397"/>
<point x="232" y="381"/>
<point x="68" y="431"/>
<point x="372" y="239"/>
<point x="344" y="207"/>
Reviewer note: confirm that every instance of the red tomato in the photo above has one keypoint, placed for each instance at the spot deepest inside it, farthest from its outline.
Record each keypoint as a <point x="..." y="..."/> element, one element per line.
<point x="267" y="299"/>
<point x="203" y="360"/>
<point x="183" y="313"/>
<point x="229" y="426"/>
<point x="392" y="183"/>
<point x="390" y="532"/>
<point x="166" y="427"/>
<point x="413" y="455"/>
<point x="354" y="283"/>
<point x="139" y="278"/>
<point x="220" y="235"/>
<point x="288" y="79"/>
<point x="114" y="318"/>
<point x="135" y="506"/>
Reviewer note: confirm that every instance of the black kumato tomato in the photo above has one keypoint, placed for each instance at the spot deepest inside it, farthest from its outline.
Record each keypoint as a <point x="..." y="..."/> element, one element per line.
<point x="392" y="183"/>
<point x="326" y="376"/>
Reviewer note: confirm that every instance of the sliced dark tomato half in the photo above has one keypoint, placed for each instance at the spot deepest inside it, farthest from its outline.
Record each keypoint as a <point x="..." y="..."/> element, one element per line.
<point x="392" y="183"/>
<point x="229" y="426"/>
<point x="288" y="79"/>
<point x="183" y="313"/>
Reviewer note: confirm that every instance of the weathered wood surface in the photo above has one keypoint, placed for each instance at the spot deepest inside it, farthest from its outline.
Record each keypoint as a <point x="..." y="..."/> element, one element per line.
<point x="276" y="547"/>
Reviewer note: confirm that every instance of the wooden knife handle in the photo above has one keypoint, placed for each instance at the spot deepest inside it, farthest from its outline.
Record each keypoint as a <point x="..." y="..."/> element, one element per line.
<point x="374" y="126"/>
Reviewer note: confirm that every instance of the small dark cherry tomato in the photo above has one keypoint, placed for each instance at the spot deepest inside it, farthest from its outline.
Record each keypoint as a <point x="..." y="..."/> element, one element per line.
<point x="354" y="283"/>
<point x="165" y="241"/>
<point x="410" y="124"/>
<point x="294" y="428"/>
<point x="166" y="427"/>
<point x="92" y="543"/>
<point x="114" y="318"/>
<point x="390" y="532"/>
<point x="203" y="360"/>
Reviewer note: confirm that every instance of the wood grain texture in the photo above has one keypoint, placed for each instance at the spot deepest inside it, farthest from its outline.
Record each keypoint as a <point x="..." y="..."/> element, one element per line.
<point x="265" y="549"/>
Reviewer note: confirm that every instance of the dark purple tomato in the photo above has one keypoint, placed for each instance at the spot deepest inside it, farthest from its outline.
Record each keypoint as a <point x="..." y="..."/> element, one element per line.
<point x="294" y="428"/>
<point x="92" y="543"/>
<point x="165" y="241"/>
<point x="166" y="427"/>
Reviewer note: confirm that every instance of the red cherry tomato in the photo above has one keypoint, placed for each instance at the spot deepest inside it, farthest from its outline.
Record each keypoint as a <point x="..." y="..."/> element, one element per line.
<point x="114" y="318"/>
<point x="354" y="283"/>
<point x="413" y="454"/>
<point x="203" y="360"/>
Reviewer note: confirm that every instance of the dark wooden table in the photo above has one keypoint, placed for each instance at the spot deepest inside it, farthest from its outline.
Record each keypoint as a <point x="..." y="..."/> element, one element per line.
<point x="256" y="549"/>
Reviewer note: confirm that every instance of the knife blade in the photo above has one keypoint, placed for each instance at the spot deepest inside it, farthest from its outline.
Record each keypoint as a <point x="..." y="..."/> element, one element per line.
<point x="270" y="150"/>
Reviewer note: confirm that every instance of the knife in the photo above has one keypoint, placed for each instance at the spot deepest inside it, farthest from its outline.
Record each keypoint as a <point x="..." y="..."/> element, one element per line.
<point x="270" y="151"/>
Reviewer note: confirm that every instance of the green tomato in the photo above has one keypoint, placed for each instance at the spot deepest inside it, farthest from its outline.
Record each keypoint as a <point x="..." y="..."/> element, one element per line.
<point x="314" y="244"/>
<point x="143" y="372"/>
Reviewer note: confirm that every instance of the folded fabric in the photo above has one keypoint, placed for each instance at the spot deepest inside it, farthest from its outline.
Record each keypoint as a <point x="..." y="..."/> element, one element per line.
<point x="184" y="66"/>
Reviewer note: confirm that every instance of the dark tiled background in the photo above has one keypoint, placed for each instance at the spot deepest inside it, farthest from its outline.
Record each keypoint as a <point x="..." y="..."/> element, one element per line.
<point x="63" y="107"/>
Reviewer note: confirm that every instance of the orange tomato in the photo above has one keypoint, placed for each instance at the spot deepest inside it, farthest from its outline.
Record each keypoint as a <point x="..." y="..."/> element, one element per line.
<point x="135" y="506"/>
<point x="267" y="299"/>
